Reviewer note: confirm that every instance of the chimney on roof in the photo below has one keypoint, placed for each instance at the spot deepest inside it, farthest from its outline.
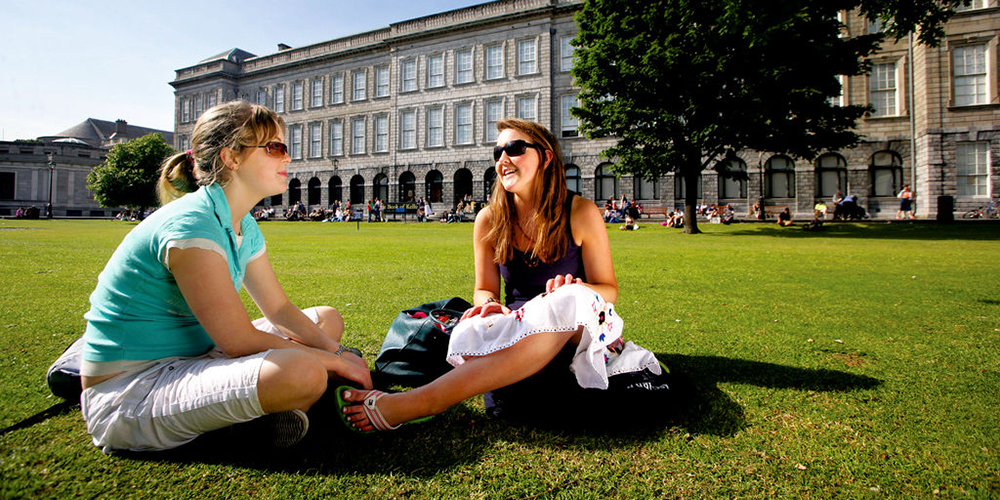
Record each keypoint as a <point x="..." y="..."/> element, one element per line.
<point x="121" y="126"/>
<point x="282" y="46"/>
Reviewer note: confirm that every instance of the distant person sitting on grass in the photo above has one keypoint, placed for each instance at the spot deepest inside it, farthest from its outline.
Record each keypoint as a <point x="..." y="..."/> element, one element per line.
<point x="785" y="218"/>
<point x="170" y="352"/>
<point x="551" y="248"/>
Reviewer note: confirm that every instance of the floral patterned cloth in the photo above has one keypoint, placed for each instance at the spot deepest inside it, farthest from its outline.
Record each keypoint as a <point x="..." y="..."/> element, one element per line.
<point x="601" y="353"/>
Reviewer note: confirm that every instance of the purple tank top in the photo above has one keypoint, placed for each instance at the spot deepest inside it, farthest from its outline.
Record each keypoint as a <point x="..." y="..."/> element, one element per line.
<point x="523" y="280"/>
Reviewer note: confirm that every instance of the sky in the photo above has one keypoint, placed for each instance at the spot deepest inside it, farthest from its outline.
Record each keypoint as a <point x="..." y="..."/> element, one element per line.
<point x="62" y="62"/>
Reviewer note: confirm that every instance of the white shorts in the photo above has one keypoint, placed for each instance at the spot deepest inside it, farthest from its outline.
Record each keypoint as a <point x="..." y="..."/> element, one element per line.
<point x="175" y="400"/>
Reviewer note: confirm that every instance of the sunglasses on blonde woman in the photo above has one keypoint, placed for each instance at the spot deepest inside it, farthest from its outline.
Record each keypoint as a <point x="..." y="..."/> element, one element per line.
<point x="515" y="148"/>
<point x="275" y="148"/>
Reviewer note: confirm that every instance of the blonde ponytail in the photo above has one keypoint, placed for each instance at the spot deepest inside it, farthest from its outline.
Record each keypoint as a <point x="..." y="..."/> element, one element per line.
<point x="176" y="178"/>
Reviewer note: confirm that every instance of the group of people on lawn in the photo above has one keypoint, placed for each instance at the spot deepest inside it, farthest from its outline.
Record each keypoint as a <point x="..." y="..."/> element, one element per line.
<point x="209" y="365"/>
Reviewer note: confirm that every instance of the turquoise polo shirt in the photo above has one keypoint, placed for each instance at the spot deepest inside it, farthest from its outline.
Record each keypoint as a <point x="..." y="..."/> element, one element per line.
<point x="137" y="311"/>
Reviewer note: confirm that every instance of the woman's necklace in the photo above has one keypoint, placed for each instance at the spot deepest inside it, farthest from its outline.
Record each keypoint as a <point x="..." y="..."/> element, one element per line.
<point x="528" y="257"/>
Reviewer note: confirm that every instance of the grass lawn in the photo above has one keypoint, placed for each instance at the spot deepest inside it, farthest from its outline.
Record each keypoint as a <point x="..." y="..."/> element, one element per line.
<point x="859" y="362"/>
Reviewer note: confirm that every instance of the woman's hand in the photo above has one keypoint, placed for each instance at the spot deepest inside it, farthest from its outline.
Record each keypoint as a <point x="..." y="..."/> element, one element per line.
<point x="353" y="368"/>
<point x="561" y="280"/>
<point x="486" y="309"/>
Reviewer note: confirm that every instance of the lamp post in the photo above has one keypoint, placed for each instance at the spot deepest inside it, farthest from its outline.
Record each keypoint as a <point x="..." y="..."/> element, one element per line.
<point x="52" y="169"/>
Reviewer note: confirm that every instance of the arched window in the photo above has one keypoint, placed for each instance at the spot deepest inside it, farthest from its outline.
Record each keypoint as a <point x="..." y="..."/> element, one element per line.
<point x="680" y="188"/>
<point x="407" y="187"/>
<point x="573" y="178"/>
<point x="357" y="190"/>
<point x="887" y="173"/>
<point x="605" y="183"/>
<point x="336" y="189"/>
<point x="643" y="189"/>
<point x="489" y="178"/>
<point x="831" y="175"/>
<point x="463" y="184"/>
<point x="294" y="191"/>
<point x="434" y="182"/>
<point x="733" y="179"/>
<point x="380" y="186"/>
<point x="779" y="177"/>
<point x="313" y="193"/>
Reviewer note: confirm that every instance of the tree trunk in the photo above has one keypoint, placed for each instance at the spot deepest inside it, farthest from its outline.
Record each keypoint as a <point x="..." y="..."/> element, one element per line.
<point x="691" y="199"/>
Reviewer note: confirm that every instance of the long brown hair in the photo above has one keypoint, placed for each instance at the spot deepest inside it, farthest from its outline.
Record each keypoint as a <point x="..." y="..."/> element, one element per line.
<point x="550" y="217"/>
<point x="235" y="125"/>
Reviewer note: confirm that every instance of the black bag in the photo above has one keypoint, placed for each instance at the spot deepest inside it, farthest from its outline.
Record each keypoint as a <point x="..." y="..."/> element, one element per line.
<point x="414" y="349"/>
<point x="552" y="398"/>
<point x="63" y="376"/>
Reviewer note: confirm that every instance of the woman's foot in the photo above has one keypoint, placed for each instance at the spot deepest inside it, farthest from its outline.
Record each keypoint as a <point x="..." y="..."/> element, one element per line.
<point x="370" y="411"/>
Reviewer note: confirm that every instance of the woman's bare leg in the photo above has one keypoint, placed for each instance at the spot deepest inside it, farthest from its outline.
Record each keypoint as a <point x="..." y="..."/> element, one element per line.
<point x="475" y="376"/>
<point x="290" y="379"/>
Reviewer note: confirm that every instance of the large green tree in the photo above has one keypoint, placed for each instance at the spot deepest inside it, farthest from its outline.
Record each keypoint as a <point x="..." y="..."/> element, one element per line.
<point x="128" y="176"/>
<point x="682" y="85"/>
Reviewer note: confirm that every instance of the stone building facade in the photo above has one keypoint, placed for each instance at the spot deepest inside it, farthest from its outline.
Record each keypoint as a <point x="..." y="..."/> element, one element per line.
<point x="407" y="111"/>
<point x="54" y="168"/>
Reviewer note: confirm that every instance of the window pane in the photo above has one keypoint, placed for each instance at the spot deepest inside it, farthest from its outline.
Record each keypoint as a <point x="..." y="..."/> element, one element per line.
<point x="359" y="86"/>
<point x="494" y="62"/>
<point x="463" y="124"/>
<point x="409" y="75"/>
<point x="526" y="57"/>
<point x="337" y="89"/>
<point x="435" y="71"/>
<point x="381" y="133"/>
<point x="337" y="138"/>
<point x="463" y="66"/>
<point x="435" y="127"/>
<point x="382" y="82"/>
<point x="317" y="93"/>
<point x="358" y="136"/>
<point x="494" y="111"/>
<point x="409" y="132"/>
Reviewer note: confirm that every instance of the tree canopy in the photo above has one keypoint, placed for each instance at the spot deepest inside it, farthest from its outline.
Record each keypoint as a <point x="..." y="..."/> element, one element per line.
<point x="683" y="84"/>
<point x="128" y="176"/>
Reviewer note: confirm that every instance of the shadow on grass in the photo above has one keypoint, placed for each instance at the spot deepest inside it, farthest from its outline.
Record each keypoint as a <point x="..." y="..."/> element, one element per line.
<point x="463" y="434"/>
<point x="924" y="230"/>
<point x="717" y="414"/>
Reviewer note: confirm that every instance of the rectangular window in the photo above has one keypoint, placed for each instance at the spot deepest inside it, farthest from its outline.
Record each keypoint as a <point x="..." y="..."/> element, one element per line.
<point x="381" y="134"/>
<point x="882" y="89"/>
<point x="463" y="66"/>
<point x="463" y="124"/>
<point x="494" y="62"/>
<point x="316" y="95"/>
<point x="972" y="160"/>
<point x="197" y="106"/>
<point x="570" y="123"/>
<point x="526" y="57"/>
<point x="838" y="100"/>
<point x="408" y="132"/>
<point x="337" y="89"/>
<point x="435" y="71"/>
<point x="185" y="110"/>
<point x="337" y="138"/>
<point x="969" y="83"/>
<point x="279" y="99"/>
<point x="358" y="136"/>
<point x="316" y="140"/>
<point x="566" y="53"/>
<point x="213" y="100"/>
<point x="7" y="183"/>
<point x="297" y="96"/>
<point x="360" y="80"/>
<point x="382" y="81"/>
<point x="409" y="75"/>
<point x="435" y="127"/>
<point x="296" y="142"/>
<point x="494" y="112"/>
<point x="974" y="5"/>
<point x="526" y="108"/>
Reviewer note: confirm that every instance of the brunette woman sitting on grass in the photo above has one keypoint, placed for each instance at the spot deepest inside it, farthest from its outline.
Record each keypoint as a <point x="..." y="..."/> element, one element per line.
<point x="170" y="351"/>
<point x="551" y="249"/>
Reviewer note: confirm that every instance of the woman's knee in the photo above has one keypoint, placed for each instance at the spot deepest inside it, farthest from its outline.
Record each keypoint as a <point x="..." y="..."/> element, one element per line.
<point x="330" y="321"/>
<point x="289" y="379"/>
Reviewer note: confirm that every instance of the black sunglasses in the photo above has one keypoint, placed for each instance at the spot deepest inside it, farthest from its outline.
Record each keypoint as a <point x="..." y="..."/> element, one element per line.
<point x="275" y="148"/>
<point x="515" y="148"/>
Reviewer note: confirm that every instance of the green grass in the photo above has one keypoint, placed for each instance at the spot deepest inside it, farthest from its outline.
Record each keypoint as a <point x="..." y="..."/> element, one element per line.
<point x="860" y="362"/>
